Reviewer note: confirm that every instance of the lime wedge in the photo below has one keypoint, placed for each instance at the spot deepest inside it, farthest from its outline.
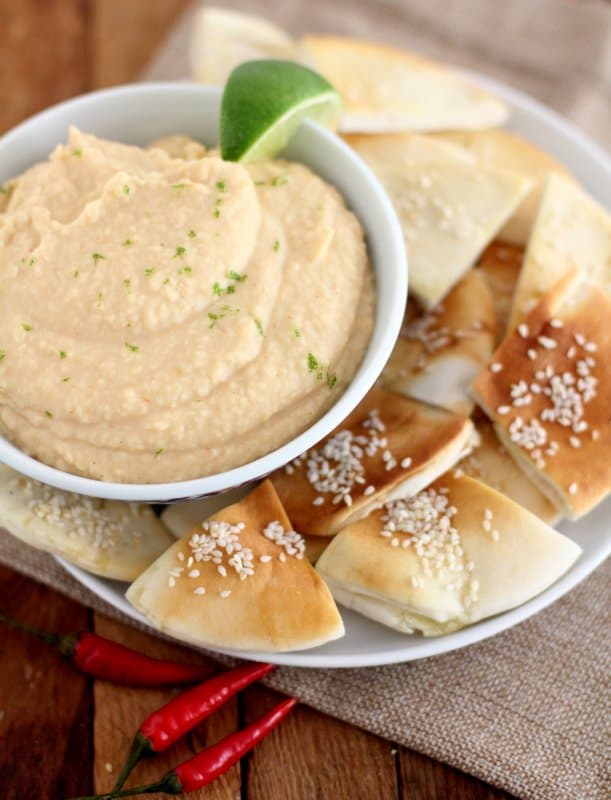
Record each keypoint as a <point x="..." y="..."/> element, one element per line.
<point x="265" y="101"/>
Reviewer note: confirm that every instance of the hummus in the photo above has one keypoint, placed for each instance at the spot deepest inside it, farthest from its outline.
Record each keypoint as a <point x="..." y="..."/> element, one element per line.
<point x="166" y="315"/>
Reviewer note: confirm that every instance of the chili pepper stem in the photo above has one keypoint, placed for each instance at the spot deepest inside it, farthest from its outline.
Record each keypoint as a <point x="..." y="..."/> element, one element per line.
<point x="140" y="747"/>
<point x="164" y="785"/>
<point x="46" y="636"/>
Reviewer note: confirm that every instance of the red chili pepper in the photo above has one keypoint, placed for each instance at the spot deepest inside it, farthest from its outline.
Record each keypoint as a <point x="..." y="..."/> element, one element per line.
<point x="111" y="661"/>
<point x="181" y="714"/>
<point x="212" y="762"/>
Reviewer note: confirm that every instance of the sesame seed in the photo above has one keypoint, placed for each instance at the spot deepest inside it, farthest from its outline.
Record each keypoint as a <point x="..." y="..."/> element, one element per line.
<point x="282" y="557"/>
<point x="571" y="352"/>
<point x="573" y="488"/>
<point x="503" y="410"/>
<point x="523" y="330"/>
<point x="547" y="342"/>
<point x="264" y="559"/>
<point x="369" y="490"/>
<point x="556" y="323"/>
<point x="574" y="441"/>
<point x="496" y="367"/>
<point x="180" y="556"/>
<point x="108" y="766"/>
<point x="171" y="581"/>
<point x="318" y="501"/>
<point x="225" y="593"/>
<point x="221" y="570"/>
<point x="495" y="535"/>
<point x="531" y="353"/>
<point x="200" y="590"/>
<point x="194" y="573"/>
<point x="406" y="462"/>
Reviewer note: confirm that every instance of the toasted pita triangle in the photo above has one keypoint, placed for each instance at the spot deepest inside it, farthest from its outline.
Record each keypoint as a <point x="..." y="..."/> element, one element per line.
<point x="222" y="38"/>
<point x="500" y="265"/>
<point x="497" y="556"/>
<point x="550" y="394"/>
<point x="571" y="231"/>
<point x="106" y="537"/>
<point x="449" y="208"/>
<point x="282" y="605"/>
<point x="182" y="518"/>
<point x="438" y="354"/>
<point x="422" y="440"/>
<point x="505" y="150"/>
<point x="386" y="89"/>
<point x="491" y="464"/>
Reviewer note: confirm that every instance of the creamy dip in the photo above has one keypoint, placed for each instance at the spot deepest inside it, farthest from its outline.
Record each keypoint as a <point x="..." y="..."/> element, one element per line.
<point x="165" y="314"/>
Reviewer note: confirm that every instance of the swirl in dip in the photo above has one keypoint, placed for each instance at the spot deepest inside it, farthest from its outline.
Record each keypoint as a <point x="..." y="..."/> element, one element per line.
<point x="165" y="314"/>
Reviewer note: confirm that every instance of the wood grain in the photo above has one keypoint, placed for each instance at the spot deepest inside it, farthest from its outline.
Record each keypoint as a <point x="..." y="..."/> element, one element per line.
<point x="43" y="55"/>
<point x="119" y="710"/>
<point x="313" y="756"/>
<point x="125" y="35"/>
<point x="45" y="703"/>
<point x="421" y="778"/>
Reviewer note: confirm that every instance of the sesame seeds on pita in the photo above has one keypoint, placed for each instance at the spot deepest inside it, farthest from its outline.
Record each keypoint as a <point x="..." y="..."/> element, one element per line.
<point x="439" y="353"/>
<point x="239" y="580"/>
<point x="390" y="446"/>
<point x="109" y="538"/>
<point x="551" y="411"/>
<point x="455" y="553"/>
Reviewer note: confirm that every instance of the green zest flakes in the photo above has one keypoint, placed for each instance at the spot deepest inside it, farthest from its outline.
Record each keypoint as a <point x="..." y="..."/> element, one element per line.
<point x="179" y="252"/>
<point x="131" y="347"/>
<point x="216" y="213"/>
<point x="128" y="285"/>
<point x="259" y="325"/>
<point x="48" y="413"/>
<point x="100" y="298"/>
<point x="191" y="234"/>
<point x="126" y="189"/>
<point x="66" y="379"/>
<point x="158" y="452"/>
<point x="279" y="180"/>
<point x="276" y="246"/>
<point x="62" y="354"/>
<point x="297" y="333"/>
<point x="221" y="186"/>
<point x="185" y="270"/>
<point x="77" y="153"/>
<point x="222" y="313"/>
<point x="149" y="271"/>
<point x="2" y="355"/>
<point x="312" y="362"/>
<point x="98" y="257"/>
<point x="237" y="276"/>
<point x="76" y="273"/>
<point x="27" y="328"/>
<point x="331" y="379"/>
<point x="127" y="243"/>
<point x="232" y="275"/>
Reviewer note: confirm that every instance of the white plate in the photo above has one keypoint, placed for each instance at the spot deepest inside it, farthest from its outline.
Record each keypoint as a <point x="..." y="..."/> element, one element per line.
<point x="367" y="643"/>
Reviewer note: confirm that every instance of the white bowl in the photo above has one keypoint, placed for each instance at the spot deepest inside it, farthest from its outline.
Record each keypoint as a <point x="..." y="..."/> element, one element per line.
<point x="140" y="113"/>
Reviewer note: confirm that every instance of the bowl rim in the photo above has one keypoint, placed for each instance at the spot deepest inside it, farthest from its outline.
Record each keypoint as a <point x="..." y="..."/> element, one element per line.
<point x="385" y="330"/>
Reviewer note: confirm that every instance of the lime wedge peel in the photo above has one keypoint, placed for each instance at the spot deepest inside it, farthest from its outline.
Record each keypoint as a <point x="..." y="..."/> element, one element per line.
<point x="264" y="103"/>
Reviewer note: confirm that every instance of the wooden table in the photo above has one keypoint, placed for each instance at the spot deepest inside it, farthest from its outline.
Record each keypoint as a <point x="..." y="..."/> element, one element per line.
<point x="60" y="733"/>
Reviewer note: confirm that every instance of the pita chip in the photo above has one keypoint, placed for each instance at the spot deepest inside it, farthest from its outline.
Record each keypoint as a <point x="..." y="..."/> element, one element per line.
<point x="497" y="147"/>
<point x="449" y="208"/>
<point x="439" y="353"/>
<point x="239" y="581"/>
<point x="386" y="89"/>
<point x="548" y="392"/>
<point x="452" y="555"/>
<point x="390" y="446"/>
<point x="571" y="231"/>
<point x="107" y="537"/>
<point x="500" y="266"/>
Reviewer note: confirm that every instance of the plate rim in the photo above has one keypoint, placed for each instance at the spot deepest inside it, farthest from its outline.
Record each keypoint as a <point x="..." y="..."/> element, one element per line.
<point x="472" y="634"/>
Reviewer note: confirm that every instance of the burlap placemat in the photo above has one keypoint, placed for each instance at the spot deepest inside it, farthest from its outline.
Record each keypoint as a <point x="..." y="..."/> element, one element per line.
<point x="528" y="710"/>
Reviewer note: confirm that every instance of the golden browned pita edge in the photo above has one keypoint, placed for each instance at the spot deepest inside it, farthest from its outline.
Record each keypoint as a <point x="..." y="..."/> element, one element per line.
<point x="571" y="231"/>
<point x="568" y="337"/>
<point x="490" y="463"/>
<point x="449" y="208"/>
<point x="106" y="537"/>
<point x="500" y="266"/>
<point x="497" y="557"/>
<point x="423" y="442"/>
<point x="182" y="518"/>
<point x="497" y="147"/>
<point x="284" y="605"/>
<point x="439" y="353"/>
<point x="386" y="89"/>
